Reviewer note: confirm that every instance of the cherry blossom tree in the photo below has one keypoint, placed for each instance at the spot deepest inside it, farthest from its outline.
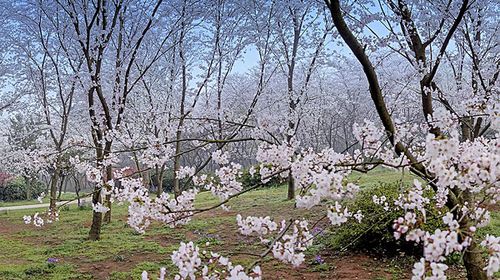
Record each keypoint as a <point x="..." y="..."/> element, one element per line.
<point x="458" y="195"/>
<point x="424" y="72"/>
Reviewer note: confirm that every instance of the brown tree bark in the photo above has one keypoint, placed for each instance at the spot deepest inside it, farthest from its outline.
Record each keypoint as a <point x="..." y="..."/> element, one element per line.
<point x="474" y="262"/>
<point x="107" y="200"/>
<point x="183" y="115"/>
<point x="61" y="183"/>
<point x="53" y="189"/>
<point x="158" y="180"/>
<point x="95" y="228"/>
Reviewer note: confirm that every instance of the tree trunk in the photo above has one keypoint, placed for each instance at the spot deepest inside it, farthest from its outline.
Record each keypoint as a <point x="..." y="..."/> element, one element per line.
<point x="291" y="127"/>
<point x="473" y="259"/>
<point x="77" y="191"/>
<point x="474" y="263"/>
<point x="291" y="187"/>
<point x="95" y="228"/>
<point x="158" y="181"/>
<point x="177" y="163"/>
<point x="97" y="217"/>
<point x="53" y="189"/>
<point x="107" y="201"/>
<point x="182" y="113"/>
<point x="47" y="188"/>
<point x="61" y="182"/>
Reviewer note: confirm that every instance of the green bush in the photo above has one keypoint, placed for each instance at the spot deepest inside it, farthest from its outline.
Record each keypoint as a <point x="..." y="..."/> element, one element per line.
<point x="17" y="189"/>
<point x="375" y="231"/>
<point x="168" y="181"/>
<point x="167" y="184"/>
<point x="248" y="180"/>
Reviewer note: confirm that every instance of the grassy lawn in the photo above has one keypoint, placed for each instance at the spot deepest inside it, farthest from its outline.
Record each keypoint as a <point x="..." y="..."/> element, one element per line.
<point x="121" y="254"/>
<point x="124" y="254"/>
<point x="46" y="199"/>
<point x="380" y="175"/>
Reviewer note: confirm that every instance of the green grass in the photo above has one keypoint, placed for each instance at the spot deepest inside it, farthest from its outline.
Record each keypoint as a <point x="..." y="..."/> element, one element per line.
<point x="124" y="254"/>
<point x="66" y="240"/>
<point x="494" y="227"/>
<point x="46" y="199"/>
<point x="380" y="175"/>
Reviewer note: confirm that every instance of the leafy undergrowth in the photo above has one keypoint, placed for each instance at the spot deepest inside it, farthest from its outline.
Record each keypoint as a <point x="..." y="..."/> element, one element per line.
<point x="124" y="254"/>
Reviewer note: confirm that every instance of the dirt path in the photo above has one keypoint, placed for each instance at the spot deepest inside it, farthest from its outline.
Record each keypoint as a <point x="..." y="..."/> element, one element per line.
<point x="41" y="205"/>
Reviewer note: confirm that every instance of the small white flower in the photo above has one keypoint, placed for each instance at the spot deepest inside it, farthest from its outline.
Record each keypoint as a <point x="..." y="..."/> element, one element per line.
<point x="98" y="207"/>
<point x="27" y="219"/>
<point x="40" y="197"/>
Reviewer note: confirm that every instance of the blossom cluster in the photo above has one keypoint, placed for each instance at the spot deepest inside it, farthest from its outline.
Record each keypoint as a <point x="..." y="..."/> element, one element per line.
<point x="368" y="135"/>
<point x="185" y="171"/>
<point x="260" y="225"/>
<point x="143" y="209"/>
<point x="321" y="176"/>
<point x="437" y="270"/>
<point x="93" y="174"/>
<point x="468" y="166"/>
<point x="290" y="248"/>
<point x="39" y="221"/>
<point x="414" y="204"/>
<point x="156" y="153"/>
<point x="195" y="264"/>
<point x="382" y="200"/>
<point x="220" y="157"/>
<point x="337" y="216"/>
<point x="274" y="158"/>
<point x="36" y="219"/>
<point x="172" y="211"/>
<point x="41" y="197"/>
<point x="492" y="244"/>
<point x="226" y="181"/>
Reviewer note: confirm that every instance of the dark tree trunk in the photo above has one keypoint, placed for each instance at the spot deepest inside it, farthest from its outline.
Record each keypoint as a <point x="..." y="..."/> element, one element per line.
<point x="77" y="191"/>
<point x="107" y="201"/>
<point x="53" y="189"/>
<point x="177" y="163"/>
<point x="291" y="127"/>
<point x="474" y="263"/>
<point x="291" y="188"/>
<point x="95" y="228"/>
<point x="158" y="181"/>
<point x="473" y="255"/>
<point x="61" y="183"/>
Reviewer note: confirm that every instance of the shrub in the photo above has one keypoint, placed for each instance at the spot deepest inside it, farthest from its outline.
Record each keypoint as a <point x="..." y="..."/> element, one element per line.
<point x="248" y="180"/>
<point x="17" y="189"/>
<point x="375" y="231"/>
<point x="5" y="178"/>
<point x="167" y="182"/>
